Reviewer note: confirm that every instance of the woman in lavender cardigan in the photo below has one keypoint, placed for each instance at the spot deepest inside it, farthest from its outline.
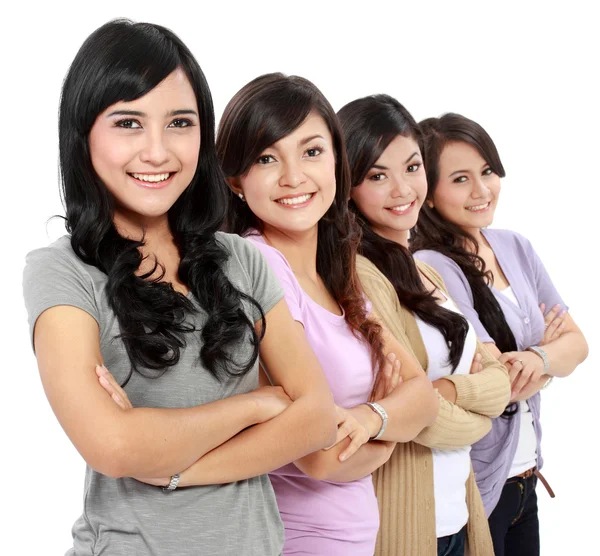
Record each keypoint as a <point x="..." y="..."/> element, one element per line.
<point x="500" y="284"/>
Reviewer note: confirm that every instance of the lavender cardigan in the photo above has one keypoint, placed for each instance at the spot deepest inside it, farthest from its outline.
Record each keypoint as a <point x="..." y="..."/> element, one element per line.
<point x="492" y="456"/>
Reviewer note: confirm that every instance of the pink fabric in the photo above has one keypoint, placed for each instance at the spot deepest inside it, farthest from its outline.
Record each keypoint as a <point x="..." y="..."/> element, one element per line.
<point x="324" y="517"/>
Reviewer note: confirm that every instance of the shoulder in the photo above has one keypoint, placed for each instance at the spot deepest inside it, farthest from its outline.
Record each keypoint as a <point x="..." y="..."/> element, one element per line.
<point x="439" y="263"/>
<point x="432" y="274"/>
<point x="59" y="257"/>
<point x="507" y="238"/>
<point x="367" y="270"/>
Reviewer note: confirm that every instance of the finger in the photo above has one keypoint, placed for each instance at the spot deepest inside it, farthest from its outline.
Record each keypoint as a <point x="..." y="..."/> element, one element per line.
<point x="343" y="431"/>
<point x="551" y="314"/>
<point x="103" y="372"/>
<point x="522" y="380"/>
<point x="476" y="364"/>
<point x="378" y="389"/>
<point x="506" y="357"/>
<point x="359" y="439"/>
<point x="395" y="377"/>
<point x="543" y="308"/>
<point x="514" y="371"/>
<point x="556" y="322"/>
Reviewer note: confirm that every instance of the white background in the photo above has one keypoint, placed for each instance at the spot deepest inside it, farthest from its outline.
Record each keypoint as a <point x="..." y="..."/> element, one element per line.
<point x="527" y="72"/>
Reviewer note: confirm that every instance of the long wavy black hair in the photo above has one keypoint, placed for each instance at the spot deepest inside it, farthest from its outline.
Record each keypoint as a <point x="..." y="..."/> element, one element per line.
<point x="264" y="111"/>
<point x="369" y="125"/>
<point x="123" y="61"/>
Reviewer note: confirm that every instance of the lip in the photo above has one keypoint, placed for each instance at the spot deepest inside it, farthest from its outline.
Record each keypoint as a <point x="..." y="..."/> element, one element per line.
<point x="294" y="196"/>
<point x="152" y="185"/>
<point x="404" y="212"/>
<point x="482" y="210"/>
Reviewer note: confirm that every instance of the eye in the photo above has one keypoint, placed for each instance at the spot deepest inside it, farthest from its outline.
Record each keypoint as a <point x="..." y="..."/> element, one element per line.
<point x="414" y="167"/>
<point x="460" y="179"/>
<point x="265" y="159"/>
<point x="314" y="151"/>
<point x="487" y="172"/>
<point x="377" y="177"/>
<point x="128" y="124"/>
<point x="181" y="122"/>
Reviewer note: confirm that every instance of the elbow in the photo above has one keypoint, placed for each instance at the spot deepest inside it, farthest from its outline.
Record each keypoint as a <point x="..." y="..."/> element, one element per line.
<point x="315" y="466"/>
<point x="110" y="459"/>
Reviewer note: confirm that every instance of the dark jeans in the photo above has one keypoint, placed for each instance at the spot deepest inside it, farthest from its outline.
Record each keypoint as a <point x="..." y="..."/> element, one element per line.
<point x="514" y="522"/>
<point x="452" y="545"/>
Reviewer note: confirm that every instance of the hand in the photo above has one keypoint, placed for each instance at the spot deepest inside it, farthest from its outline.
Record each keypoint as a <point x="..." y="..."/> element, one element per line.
<point x="109" y="383"/>
<point x="523" y="367"/>
<point x="387" y="378"/>
<point x="476" y="365"/>
<point x="349" y="425"/>
<point x="271" y="401"/>
<point x="554" y="322"/>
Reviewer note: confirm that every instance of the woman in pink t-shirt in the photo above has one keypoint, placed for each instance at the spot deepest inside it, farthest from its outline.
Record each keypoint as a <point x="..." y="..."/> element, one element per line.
<point x="281" y="149"/>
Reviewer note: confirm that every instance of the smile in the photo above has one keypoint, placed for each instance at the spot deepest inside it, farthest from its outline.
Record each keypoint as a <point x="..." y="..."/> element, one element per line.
<point x="479" y="208"/>
<point x="401" y="209"/>
<point x="153" y="181"/>
<point x="298" y="201"/>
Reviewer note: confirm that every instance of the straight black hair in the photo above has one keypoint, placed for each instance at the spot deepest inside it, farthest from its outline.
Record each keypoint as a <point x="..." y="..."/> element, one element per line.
<point x="123" y="61"/>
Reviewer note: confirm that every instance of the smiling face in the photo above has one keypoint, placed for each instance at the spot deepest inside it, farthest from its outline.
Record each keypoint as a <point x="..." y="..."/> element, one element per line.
<point x="292" y="183"/>
<point x="146" y="151"/>
<point x="467" y="190"/>
<point x="393" y="190"/>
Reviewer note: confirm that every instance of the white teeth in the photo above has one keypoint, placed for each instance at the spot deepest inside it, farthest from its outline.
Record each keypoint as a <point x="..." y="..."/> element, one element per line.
<point x="151" y="177"/>
<point x="400" y="208"/>
<point x="295" y="200"/>
<point x="478" y="207"/>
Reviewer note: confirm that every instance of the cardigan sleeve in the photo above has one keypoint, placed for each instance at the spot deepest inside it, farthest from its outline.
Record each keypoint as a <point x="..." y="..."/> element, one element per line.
<point x="455" y="427"/>
<point x="486" y="392"/>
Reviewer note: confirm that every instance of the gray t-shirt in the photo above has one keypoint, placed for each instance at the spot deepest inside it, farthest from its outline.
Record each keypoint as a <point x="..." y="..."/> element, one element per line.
<point x="123" y="517"/>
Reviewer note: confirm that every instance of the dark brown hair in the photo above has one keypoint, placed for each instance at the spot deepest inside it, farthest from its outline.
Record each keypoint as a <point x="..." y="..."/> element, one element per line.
<point x="369" y="125"/>
<point x="264" y="111"/>
<point x="434" y="232"/>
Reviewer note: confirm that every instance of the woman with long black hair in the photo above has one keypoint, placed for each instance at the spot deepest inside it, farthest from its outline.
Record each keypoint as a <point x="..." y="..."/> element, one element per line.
<point x="428" y="498"/>
<point x="282" y="151"/>
<point x="146" y="286"/>
<point x="500" y="283"/>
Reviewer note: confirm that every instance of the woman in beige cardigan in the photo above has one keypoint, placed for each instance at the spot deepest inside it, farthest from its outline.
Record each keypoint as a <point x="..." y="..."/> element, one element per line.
<point x="419" y="517"/>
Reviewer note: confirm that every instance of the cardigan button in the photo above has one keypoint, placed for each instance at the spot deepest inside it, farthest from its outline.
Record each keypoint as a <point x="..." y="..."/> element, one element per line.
<point x="526" y="320"/>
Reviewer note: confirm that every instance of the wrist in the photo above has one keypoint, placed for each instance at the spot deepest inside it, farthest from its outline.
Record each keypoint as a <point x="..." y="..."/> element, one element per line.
<point x="256" y="410"/>
<point x="371" y="420"/>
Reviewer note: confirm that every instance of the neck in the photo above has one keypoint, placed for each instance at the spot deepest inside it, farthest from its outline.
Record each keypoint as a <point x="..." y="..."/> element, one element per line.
<point x="154" y="231"/>
<point x="397" y="236"/>
<point x="477" y="235"/>
<point x="299" y="248"/>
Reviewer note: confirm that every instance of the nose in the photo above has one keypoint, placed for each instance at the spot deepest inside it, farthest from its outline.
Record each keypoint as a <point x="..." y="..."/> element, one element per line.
<point x="292" y="175"/>
<point x="480" y="190"/>
<point x="400" y="188"/>
<point x="154" y="150"/>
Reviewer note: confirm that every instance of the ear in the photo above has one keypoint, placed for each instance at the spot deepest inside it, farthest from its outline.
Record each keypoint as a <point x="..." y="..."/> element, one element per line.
<point x="235" y="185"/>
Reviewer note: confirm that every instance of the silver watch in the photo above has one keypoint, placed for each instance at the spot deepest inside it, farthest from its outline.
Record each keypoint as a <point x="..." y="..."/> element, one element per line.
<point x="173" y="484"/>
<point x="384" y="418"/>
<point x="542" y="354"/>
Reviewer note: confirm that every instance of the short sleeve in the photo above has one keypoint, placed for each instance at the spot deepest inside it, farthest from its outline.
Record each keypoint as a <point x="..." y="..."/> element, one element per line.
<point x="281" y="269"/>
<point x="458" y="288"/>
<point x="52" y="278"/>
<point x="546" y="291"/>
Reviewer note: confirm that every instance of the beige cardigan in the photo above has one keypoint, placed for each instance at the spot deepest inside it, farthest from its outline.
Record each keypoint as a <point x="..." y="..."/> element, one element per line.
<point x="404" y="485"/>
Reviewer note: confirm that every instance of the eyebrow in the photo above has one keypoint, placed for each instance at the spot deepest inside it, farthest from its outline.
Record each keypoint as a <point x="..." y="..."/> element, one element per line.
<point x="459" y="172"/>
<point x="380" y="167"/>
<point x="184" y="112"/>
<point x="311" y="138"/>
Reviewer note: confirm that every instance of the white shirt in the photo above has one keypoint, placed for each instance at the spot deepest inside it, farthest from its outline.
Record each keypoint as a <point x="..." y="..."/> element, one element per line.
<point x="451" y="468"/>
<point x="526" y="453"/>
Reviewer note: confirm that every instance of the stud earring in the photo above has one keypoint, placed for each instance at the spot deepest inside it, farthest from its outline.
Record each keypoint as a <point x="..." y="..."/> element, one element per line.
<point x="241" y="196"/>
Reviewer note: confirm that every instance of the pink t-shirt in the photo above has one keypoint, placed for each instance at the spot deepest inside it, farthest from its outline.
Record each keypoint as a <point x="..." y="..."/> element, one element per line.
<point x="325" y="517"/>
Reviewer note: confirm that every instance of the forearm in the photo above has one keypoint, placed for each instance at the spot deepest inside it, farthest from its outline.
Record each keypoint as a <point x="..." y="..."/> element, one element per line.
<point x="565" y="353"/>
<point x="162" y="442"/>
<point x="412" y="406"/>
<point x="302" y="428"/>
<point x="325" y="464"/>
<point x="454" y="428"/>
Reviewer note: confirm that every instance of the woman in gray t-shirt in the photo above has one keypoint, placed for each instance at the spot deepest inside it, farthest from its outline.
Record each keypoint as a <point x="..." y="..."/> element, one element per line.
<point x="146" y="285"/>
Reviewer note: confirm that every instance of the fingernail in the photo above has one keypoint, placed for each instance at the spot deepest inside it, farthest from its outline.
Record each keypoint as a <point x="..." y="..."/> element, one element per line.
<point x="342" y="457"/>
<point x="391" y="357"/>
<point x="116" y="398"/>
<point x="104" y="381"/>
